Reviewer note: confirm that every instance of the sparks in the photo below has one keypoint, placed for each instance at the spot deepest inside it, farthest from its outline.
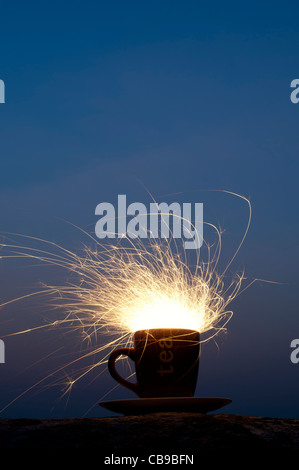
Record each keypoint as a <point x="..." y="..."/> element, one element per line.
<point x="116" y="289"/>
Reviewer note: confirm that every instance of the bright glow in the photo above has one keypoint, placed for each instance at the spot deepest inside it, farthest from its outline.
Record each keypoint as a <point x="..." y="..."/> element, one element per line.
<point x="162" y="292"/>
<point x="163" y="312"/>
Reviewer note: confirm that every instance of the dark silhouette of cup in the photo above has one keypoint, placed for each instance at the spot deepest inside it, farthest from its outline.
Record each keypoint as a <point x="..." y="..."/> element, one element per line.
<point x="166" y="363"/>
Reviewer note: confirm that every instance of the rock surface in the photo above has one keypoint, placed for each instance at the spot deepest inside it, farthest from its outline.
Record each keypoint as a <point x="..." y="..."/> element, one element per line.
<point x="164" y="433"/>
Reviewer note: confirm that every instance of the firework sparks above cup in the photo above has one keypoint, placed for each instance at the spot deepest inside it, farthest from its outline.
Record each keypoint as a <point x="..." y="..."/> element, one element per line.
<point x="117" y="289"/>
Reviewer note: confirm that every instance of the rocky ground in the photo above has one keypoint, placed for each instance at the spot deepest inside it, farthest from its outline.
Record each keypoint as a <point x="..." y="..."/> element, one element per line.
<point x="157" y="433"/>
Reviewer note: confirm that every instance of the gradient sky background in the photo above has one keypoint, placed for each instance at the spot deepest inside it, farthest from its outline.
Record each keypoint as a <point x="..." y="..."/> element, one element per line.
<point x="183" y="97"/>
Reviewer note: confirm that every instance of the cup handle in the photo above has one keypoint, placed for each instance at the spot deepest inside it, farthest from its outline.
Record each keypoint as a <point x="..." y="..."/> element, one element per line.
<point x="130" y="352"/>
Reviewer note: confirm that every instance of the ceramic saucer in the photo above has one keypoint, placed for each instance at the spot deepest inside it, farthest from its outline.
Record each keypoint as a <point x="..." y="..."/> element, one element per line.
<point x="159" y="405"/>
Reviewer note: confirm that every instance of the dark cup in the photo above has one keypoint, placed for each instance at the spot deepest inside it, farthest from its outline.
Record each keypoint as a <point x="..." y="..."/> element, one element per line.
<point x="166" y="363"/>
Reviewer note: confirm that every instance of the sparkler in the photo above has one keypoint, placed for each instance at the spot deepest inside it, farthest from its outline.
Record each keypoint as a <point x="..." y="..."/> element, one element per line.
<point x="116" y="289"/>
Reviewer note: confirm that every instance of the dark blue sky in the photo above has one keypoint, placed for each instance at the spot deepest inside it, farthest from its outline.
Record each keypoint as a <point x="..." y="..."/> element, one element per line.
<point x="184" y="97"/>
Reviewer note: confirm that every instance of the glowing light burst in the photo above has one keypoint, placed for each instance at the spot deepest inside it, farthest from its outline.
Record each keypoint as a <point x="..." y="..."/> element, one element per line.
<point x="115" y="289"/>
